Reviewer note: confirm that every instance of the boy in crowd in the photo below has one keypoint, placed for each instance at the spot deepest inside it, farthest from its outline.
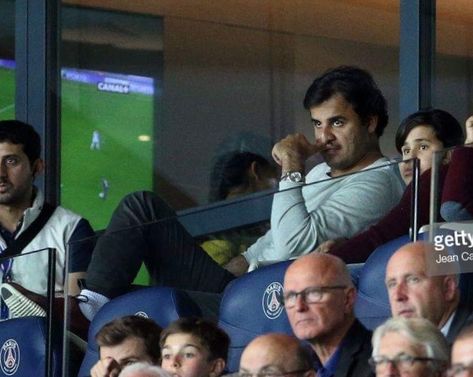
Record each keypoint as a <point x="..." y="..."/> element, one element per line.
<point x="194" y="347"/>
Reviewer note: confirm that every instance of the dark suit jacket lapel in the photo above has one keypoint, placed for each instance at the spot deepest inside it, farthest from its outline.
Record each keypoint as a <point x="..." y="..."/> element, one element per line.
<point x="352" y="346"/>
<point x="462" y="317"/>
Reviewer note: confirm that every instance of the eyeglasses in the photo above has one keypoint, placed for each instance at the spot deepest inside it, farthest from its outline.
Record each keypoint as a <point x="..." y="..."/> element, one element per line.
<point x="310" y="295"/>
<point x="266" y="373"/>
<point x="457" y="370"/>
<point x="401" y="362"/>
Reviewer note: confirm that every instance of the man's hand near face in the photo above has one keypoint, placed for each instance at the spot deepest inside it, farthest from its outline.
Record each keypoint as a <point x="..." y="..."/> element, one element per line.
<point x="106" y="367"/>
<point x="292" y="152"/>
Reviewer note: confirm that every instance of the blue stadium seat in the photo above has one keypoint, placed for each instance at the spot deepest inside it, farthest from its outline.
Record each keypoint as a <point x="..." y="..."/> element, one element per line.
<point x="23" y="348"/>
<point x="372" y="304"/>
<point x="250" y="307"/>
<point x="355" y="270"/>
<point x="162" y="304"/>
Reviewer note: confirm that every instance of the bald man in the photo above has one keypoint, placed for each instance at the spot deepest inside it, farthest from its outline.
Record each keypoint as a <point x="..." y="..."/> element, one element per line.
<point x="412" y="293"/>
<point x="462" y="354"/>
<point x="276" y="354"/>
<point x="319" y="297"/>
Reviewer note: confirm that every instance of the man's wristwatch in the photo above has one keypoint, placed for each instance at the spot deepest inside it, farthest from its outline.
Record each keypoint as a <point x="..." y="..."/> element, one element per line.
<point x="292" y="176"/>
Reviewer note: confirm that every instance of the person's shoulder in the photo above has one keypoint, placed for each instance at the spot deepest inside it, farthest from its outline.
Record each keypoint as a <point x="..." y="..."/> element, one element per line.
<point x="66" y="213"/>
<point x="358" y="330"/>
<point x="382" y="170"/>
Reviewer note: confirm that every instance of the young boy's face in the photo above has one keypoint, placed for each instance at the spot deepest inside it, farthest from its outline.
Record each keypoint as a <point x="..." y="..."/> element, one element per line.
<point x="184" y="356"/>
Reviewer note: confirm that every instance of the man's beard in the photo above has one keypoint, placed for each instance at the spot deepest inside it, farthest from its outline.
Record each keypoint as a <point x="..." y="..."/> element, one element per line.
<point x="13" y="195"/>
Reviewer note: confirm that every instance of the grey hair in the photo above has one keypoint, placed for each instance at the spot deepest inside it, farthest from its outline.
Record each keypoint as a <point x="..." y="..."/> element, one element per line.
<point x="146" y="369"/>
<point x="421" y="332"/>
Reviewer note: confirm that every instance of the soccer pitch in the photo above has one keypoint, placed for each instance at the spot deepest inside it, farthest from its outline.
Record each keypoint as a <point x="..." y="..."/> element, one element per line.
<point x="123" y="160"/>
<point x="7" y="94"/>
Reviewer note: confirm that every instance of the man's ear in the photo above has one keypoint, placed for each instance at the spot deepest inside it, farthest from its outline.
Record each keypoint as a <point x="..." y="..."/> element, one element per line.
<point x="350" y="299"/>
<point x="372" y="124"/>
<point x="217" y="368"/>
<point x="37" y="167"/>
<point x="450" y="286"/>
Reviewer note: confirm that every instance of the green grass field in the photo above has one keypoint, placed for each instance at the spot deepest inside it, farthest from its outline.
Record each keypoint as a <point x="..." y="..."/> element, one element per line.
<point x="7" y="94"/>
<point x="123" y="160"/>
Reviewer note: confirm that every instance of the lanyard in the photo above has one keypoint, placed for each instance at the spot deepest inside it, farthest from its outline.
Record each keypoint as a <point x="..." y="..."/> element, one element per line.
<point x="6" y="267"/>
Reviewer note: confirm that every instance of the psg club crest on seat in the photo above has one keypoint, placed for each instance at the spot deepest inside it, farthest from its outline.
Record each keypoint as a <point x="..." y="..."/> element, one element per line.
<point x="142" y="314"/>
<point x="10" y="357"/>
<point x="272" y="307"/>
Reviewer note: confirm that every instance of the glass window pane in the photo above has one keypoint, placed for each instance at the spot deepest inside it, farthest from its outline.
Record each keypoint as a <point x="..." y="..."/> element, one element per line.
<point x="226" y="77"/>
<point x="7" y="59"/>
<point x="454" y="58"/>
<point x="157" y="95"/>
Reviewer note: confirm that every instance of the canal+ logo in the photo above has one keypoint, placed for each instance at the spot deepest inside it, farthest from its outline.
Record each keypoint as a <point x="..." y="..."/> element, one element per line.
<point x="272" y="307"/>
<point x="10" y="357"/>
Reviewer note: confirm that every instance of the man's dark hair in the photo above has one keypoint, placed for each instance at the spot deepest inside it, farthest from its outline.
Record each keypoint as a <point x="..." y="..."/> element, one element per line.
<point x="210" y="336"/>
<point x="231" y="170"/>
<point x="132" y="326"/>
<point x="17" y="132"/>
<point x="358" y="88"/>
<point x="445" y="126"/>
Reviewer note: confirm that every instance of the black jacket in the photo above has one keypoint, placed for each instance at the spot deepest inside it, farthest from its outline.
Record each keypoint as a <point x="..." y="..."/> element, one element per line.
<point x="355" y="352"/>
<point x="463" y="317"/>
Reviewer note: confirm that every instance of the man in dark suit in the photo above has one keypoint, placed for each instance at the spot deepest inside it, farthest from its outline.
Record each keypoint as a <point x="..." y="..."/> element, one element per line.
<point x="319" y="297"/>
<point x="415" y="292"/>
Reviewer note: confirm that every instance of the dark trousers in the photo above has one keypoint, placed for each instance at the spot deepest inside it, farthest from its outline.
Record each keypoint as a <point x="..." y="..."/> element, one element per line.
<point x="144" y="228"/>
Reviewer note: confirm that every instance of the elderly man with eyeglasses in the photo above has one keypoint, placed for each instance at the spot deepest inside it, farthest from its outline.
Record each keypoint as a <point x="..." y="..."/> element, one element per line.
<point x="462" y="354"/>
<point x="275" y="355"/>
<point x="411" y="347"/>
<point x="319" y="297"/>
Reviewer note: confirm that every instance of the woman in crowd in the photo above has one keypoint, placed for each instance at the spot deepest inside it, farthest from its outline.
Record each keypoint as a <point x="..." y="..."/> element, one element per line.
<point x="419" y="136"/>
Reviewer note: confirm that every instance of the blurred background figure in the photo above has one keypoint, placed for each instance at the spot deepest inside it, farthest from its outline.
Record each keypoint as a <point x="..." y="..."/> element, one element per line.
<point x="239" y="173"/>
<point x="105" y="188"/>
<point x="236" y="174"/>
<point x="96" y="142"/>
